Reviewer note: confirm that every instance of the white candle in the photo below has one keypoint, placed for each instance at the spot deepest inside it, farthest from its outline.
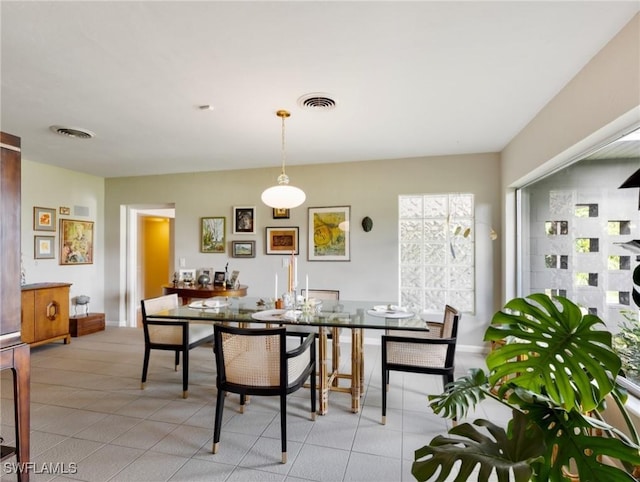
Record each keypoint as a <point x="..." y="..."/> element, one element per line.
<point x="275" y="294"/>
<point x="295" y="272"/>
<point x="306" y="291"/>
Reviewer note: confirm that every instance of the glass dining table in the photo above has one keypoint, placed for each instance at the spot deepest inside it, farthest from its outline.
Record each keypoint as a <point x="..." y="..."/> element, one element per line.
<point x="327" y="318"/>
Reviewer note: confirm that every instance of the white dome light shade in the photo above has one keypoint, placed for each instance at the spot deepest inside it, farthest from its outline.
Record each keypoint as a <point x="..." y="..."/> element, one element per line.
<point x="283" y="196"/>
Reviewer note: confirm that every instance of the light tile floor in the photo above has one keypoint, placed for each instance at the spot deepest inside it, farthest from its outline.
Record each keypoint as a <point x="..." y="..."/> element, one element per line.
<point x="89" y="416"/>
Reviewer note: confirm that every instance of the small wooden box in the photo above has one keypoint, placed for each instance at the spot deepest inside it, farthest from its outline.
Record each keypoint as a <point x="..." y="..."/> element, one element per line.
<point x="84" y="324"/>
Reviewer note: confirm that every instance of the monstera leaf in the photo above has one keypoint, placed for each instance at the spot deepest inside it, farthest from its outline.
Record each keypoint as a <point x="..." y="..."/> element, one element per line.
<point x="570" y="441"/>
<point x="461" y="395"/>
<point x="505" y="453"/>
<point x="560" y="353"/>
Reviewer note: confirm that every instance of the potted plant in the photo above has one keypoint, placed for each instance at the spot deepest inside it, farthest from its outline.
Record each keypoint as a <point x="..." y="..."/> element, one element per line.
<point x="556" y="369"/>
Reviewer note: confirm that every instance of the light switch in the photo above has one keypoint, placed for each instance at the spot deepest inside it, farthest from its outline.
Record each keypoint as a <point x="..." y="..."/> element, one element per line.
<point x="183" y="262"/>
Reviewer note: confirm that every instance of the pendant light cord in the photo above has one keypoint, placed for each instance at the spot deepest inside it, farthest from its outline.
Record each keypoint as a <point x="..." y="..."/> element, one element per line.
<point x="283" y="114"/>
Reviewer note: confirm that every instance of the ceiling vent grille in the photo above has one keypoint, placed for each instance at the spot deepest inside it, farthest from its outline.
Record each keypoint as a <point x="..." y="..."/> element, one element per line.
<point x="73" y="132"/>
<point x="317" y="101"/>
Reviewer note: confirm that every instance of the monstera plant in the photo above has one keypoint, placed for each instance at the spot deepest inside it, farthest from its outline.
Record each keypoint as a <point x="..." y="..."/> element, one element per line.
<point x="556" y="370"/>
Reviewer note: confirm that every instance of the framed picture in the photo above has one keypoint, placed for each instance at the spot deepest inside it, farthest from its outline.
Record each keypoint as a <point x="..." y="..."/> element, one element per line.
<point x="329" y="233"/>
<point x="65" y="210"/>
<point x="243" y="249"/>
<point x="218" y="278"/>
<point x="244" y="220"/>
<point x="281" y="213"/>
<point x="187" y="275"/>
<point x="233" y="279"/>
<point x="212" y="235"/>
<point x="43" y="247"/>
<point x="282" y="240"/>
<point x="44" y="219"/>
<point x="205" y="271"/>
<point x="76" y="242"/>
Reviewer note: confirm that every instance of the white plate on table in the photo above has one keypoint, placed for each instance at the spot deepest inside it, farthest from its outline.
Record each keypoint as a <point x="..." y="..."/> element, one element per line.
<point x="205" y="304"/>
<point x="390" y="311"/>
<point x="276" y="315"/>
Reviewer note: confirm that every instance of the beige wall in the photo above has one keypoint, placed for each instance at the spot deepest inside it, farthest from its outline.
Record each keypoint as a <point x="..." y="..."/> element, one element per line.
<point x="52" y="187"/>
<point x="371" y="189"/>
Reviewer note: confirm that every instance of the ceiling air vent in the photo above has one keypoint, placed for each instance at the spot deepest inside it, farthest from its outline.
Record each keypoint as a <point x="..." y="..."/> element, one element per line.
<point x="316" y="101"/>
<point x="73" y="132"/>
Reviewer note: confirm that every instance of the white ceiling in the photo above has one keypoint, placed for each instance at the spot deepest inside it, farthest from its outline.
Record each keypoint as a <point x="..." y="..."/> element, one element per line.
<point x="409" y="78"/>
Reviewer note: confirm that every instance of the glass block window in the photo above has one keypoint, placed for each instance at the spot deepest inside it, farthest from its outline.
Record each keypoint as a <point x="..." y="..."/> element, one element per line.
<point x="437" y="251"/>
<point x="553" y="228"/>
<point x="587" y="245"/>
<point x="617" y="262"/>
<point x="618" y="228"/>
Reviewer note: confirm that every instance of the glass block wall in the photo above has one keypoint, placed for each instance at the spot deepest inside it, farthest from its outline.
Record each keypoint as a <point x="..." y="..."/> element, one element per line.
<point x="437" y="251"/>
<point x="575" y="224"/>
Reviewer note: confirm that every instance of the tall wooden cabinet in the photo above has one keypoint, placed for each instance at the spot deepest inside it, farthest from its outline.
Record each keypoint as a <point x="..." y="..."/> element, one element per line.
<point x="14" y="353"/>
<point x="45" y="313"/>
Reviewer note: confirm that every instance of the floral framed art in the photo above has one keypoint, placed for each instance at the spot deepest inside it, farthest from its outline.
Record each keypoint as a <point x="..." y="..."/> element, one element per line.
<point x="43" y="247"/>
<point x="282" y="240"/>
<point x="329" y="236"/>
<point x="243" y="249"/>
<point x="76" y="242"/>
<point x="44" y="219"/>
<point x="212" y="235"/>
<point x="244" y="220"/>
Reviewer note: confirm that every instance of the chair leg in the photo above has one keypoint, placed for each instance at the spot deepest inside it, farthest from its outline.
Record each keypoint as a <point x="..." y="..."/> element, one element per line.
<point x="283" y="426"/>
<point x="145" y="367"/>
<point x="313" y="394"/>
<point x="218" y="421"/>
<point x="243" y="401"/>
<point x="177" y="362"/>
<point x="385" y="387"/>
<point x="185" y="373"/>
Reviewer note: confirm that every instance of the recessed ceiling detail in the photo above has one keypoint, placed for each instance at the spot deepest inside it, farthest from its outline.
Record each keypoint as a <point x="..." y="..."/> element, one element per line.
<point x="72" y="132"/>
<point x="317" y="101"/>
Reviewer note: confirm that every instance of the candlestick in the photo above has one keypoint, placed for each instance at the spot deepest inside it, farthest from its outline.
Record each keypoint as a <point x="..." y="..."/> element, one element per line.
<point x="306" y="291"/>
<point x="275" y="294"/>
<point x="295" y="271"/>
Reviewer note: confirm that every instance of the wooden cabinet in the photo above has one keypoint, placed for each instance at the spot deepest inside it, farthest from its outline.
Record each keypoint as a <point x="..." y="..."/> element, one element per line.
<point x="45" y="313"/>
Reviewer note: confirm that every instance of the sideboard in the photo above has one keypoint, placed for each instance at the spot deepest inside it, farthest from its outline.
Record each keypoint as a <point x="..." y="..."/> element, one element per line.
<point x="45" y="313"/>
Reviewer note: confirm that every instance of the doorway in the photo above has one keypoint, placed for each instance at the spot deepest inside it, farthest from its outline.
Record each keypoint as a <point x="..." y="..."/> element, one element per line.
<point x="150" y="255"/>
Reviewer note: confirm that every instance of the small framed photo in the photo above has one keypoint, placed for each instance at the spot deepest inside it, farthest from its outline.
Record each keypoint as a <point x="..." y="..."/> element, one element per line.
<point x="282" y="240"/>
<point x="44" y="219"/>
<point x="206" y="271"/>
<point x="212" y="235"/>
<point x="243" y="249"/>
<point x="281" y="213"/>
<point x="233" y="279"/>
<point x="43" y="247"/>
<point x="187" y="275"/>
<point x="218" y="278"/>
<point x="328" y="235"/>
<point x="244" y="220"/>
<point x="65" y="210"/>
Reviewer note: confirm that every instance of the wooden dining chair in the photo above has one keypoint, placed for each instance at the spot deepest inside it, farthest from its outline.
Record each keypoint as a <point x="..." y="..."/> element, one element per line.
<point x="431" y="352"/>
<point x="178" y="336"/>
<point x="255" y="361"/>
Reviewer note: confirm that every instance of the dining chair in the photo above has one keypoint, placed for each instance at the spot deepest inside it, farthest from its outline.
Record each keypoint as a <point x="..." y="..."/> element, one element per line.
<point x="431" y="352"/>
<point x="179" y="336"/>
<point x="333" y="335"/>
<point x="255" y="361"/>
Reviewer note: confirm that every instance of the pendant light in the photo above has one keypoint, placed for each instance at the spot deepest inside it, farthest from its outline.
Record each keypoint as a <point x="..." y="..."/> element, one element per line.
<point x="283" y="196"/>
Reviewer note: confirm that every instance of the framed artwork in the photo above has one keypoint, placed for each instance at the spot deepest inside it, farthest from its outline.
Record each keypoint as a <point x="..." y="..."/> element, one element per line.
<point x="243" y="249"/>
<point x="233" y="279"/>
<point x="187" y="275"/>
<point x="65" y="210"/>
<point x="76" y="242"/>
<point x="44" y="219"/>
<point x="282" y="240"/>
<point x="329" y="233"/>
<point x="212" y="235"/>
<point x="281" y="213"/>
<point x="206" y="271"/>
<point x="43" y="247"/>
<point x="218" y="278"/>
<point x="244" y="220"/>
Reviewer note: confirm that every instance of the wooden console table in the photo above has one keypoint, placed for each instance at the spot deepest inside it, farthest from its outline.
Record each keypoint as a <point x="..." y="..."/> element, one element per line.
<point x="186" y="293"/>
<point x="17" y="358"/>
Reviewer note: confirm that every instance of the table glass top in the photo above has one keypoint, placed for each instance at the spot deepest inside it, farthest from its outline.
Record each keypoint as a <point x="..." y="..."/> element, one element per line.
<point x="343" y="313"/>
